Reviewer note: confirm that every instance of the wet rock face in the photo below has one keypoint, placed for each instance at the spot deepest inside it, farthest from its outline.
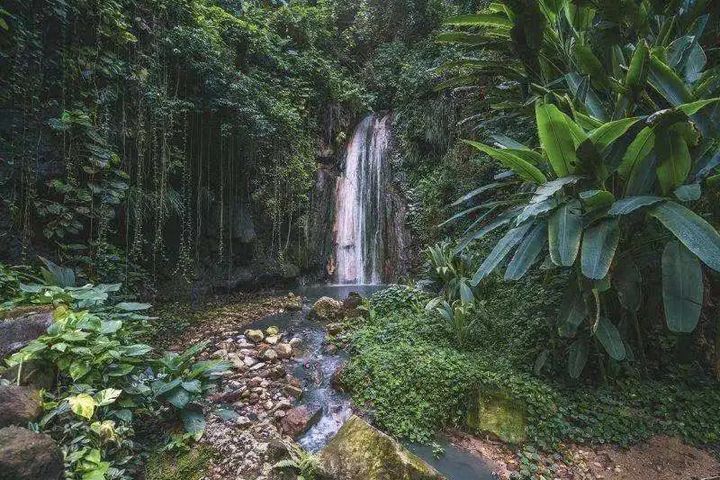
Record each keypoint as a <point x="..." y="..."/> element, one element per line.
<point x="25" y="455"/>
<point x="498" y="414"/>
<point x="19" y="405"/>
<point x="299" y="420"/>
<point x="17" y="332"/>
<point x="327" y="309"/>
<point x="361" y="452"/>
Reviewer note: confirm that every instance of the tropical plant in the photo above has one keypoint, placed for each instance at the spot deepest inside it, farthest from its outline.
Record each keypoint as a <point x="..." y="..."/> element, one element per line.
<point x="625" y="147"/>
<point x="108" y="380"/>
<point x="521" y="50"/>
<point x="452" y="271"/>
<point x="460" y="317"/>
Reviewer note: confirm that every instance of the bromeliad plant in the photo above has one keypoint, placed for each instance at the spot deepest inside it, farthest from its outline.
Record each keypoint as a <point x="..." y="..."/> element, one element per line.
<point x="592" y="198"/>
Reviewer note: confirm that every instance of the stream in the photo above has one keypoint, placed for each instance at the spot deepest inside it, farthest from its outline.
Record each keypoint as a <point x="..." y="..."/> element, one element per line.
<point x="315" y="365"/>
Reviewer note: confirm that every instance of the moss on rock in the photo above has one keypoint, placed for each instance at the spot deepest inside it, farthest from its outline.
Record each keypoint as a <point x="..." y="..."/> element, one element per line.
<point x="361" y="452"/>
<point x="498" y="414"/>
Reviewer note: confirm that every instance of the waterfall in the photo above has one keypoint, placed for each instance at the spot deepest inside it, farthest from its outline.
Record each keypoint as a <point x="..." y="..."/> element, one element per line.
<point x="360" y="205"/>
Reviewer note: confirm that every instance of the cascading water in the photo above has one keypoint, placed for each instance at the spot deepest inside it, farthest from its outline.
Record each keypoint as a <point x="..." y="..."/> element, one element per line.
<point x="360" y="205"/>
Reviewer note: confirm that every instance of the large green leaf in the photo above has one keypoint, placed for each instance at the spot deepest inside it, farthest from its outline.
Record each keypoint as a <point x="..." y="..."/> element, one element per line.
<point x="481" y="20"/>
<point x="556" y="138"/>
<point x="527" y="253"/>
<point x="577" y="357"/>
<point x="604" y="136"/>
<point x="667" y="83"/>
<point x="476" y="192"/>
<point x="682" y="286"/>
<point x="499" y="221"/>
<point x="628" y="205"/>
<point x="674" y="159"/>
<point x="610" y="338"/>
<point x="522" y="168"/>
<point x="573" y="311"/>
<point x="591" y="65"/>
<point x="598" y="248"/>
<point x="564" y="233"/>
<point x="501" y="250"/>
<point x="692" y="230"/>
<point x="638" y="70"/>
<point x="637" y="151"/>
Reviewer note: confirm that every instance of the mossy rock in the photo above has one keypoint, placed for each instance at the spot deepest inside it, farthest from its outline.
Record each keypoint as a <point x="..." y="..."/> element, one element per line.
<point x="361" y="452"/>
<point x="191" y="465"/>
<point x="498" y="414"/>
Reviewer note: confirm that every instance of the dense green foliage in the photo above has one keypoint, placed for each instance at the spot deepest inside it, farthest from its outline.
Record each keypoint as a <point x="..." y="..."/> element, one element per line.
<point x="621" y="143"/>
<point x="154" y="137"/>
<point x="414" y="380"/>
<point x="107" y="382"/>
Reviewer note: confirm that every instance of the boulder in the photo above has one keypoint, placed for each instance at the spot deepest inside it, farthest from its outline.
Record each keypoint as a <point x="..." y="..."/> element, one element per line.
<point x="299" y="420"/>
<point x="361" y="452"/>
<point x="255" y="336"/>
<point x="25" y="455"/>
<point x="34" y="373"/>
<point x="16" y="332"/>
<point x="19" y="405"/>
<point x="498" y="414"/>
<point x="327" y="309"/>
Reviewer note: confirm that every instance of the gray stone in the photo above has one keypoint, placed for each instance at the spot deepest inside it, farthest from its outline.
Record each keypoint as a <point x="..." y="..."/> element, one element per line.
<point x="18" y="331"/>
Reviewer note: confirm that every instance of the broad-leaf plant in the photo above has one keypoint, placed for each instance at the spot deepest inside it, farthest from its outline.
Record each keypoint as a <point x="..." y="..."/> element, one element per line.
<point x="628" y="124"/>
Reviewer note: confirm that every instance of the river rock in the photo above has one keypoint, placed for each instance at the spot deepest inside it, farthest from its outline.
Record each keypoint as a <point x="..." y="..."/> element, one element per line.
<point x="361" y="452"/>
<point x="19" y="405"/>
<point x="299" y="420"/>
<point x="498" y="414"/>
<point x="270" y="354"/>
<point x="255" y="336"/>
<point x="18" y="331"/>
<point x="25" y="455"/>
<point x="326" y="309"/>
<point x="336" y="380"/>
<point x="272" y="331"/>
<point x="283" y="350"/>
<point x="272" y="340"/>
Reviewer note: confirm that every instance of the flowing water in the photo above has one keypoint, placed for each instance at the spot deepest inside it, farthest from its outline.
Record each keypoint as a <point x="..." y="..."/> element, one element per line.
<point x="360" y="205"/>
<point x="315" y="365"/>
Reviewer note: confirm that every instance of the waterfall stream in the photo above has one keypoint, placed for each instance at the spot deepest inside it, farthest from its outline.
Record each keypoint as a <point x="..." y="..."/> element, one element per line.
<point x="360" y="205"/>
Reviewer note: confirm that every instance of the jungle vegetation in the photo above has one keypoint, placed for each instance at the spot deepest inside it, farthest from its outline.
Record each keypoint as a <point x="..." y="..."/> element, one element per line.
<point x="559" y="159"/>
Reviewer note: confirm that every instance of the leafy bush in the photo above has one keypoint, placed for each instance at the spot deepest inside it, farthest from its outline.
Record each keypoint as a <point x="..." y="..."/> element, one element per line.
<point x="107" y="380"/>
<point x="619" y="148"/>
